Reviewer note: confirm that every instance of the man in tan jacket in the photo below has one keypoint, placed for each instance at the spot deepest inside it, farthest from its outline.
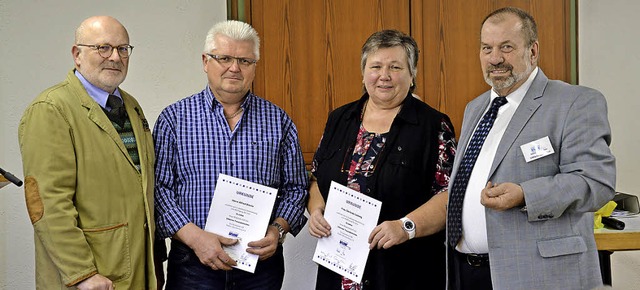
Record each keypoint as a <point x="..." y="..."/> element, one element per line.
<point x="88" y="164"/>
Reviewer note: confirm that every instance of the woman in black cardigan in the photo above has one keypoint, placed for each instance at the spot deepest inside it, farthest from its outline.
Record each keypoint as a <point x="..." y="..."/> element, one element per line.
<point x="396" y="149"/>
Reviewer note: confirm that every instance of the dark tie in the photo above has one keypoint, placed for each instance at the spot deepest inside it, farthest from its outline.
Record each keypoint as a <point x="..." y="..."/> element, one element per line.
<point x="118" y="113"/>
<point x="456" y="196"/>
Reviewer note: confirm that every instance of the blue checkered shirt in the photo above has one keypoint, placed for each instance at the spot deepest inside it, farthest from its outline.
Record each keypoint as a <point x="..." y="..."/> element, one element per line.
<point x="194" y="144"/>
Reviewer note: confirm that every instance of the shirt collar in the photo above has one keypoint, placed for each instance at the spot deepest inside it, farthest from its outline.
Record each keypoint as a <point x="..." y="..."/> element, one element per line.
<point x="213" y="103"/>
<point x="98" y="94"/>
<point x="516" y="96"/>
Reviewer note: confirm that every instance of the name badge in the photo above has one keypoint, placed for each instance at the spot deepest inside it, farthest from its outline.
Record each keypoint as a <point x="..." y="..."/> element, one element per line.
<point x="537" y="149"/>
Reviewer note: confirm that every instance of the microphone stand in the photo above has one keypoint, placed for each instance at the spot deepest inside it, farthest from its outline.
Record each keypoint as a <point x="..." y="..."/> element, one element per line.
<point x="11" y="177"/>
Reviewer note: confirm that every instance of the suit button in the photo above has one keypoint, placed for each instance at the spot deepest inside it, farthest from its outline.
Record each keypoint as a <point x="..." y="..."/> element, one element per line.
<point x="366" y="283"/>
<point x="399" y="148"/>
<point x="146" y="226"/>
<point x="540" y="217"/>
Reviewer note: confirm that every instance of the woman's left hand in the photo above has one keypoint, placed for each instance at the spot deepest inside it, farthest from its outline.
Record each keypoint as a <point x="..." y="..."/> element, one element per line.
<point x="387" y="235"/>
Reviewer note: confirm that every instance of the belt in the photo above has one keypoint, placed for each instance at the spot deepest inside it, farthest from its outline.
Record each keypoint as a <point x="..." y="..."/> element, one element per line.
<point x="475" y="260"/>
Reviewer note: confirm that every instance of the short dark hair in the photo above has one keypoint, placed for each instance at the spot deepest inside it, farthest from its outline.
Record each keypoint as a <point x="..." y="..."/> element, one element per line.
<point x="529" y="27"/>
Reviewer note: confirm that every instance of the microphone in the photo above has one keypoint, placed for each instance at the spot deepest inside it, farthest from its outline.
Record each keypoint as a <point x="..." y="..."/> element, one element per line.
<point x="613" y="223"/>
<point x="11" y="177"/>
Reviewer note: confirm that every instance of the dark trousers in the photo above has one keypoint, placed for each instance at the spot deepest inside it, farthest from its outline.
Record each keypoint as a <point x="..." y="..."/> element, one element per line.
<point x="185" y="272"/>
<point x="469" y="273"/>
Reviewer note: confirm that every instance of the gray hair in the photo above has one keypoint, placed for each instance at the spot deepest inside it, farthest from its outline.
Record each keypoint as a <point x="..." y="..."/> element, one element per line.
<point x="235" y="30"/>
<point x="392" y="38"/>
<point x="529" y="27"/>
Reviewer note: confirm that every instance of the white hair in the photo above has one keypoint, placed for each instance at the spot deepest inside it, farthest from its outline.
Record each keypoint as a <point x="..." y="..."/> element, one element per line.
<point x="235" y="30"/>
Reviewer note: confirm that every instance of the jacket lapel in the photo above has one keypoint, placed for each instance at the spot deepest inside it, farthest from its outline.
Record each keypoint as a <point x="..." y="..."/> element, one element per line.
<point x="97" y="116"/>
<point x="529" y="105"/>
<point x="475" y="114"/>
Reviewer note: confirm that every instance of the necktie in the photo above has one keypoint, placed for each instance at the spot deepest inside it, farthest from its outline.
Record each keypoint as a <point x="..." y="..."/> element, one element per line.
<point x="118" y="113"/>
<point x="456" y="196"/>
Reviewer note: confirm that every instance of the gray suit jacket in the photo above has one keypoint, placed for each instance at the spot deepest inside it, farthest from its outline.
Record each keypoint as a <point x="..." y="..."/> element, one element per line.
<point x="551" y="244"/>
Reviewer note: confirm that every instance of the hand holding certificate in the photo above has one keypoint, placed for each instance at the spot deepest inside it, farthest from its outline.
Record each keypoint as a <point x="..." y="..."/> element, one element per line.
<point x="240" y="210"/>
<point x="352" y="216"/>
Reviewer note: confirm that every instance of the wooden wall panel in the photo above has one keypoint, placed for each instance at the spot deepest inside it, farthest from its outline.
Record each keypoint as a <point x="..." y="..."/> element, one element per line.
<point x="310" y="55"/>
<point x="448" y="32"/>
<point x="310" y="51"/>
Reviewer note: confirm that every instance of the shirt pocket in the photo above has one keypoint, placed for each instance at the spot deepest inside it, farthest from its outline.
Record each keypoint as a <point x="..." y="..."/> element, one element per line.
<point x="266" y="157"/>
<point x="110" y="248"/>
<point x="402" y="163"/>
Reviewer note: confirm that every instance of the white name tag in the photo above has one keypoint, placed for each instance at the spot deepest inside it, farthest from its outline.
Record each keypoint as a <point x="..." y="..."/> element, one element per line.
<point x="537" y="149"/>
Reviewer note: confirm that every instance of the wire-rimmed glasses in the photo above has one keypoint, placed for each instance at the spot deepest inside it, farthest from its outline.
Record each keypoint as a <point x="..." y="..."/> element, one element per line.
<point x="227" y="60"/>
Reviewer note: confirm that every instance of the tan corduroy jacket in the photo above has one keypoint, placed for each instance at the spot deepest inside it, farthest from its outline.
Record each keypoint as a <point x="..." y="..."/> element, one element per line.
<point x="91" y="208"/>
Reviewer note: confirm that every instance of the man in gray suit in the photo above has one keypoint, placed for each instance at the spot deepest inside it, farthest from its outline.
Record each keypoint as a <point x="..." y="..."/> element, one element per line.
<point x="523" y="193"/>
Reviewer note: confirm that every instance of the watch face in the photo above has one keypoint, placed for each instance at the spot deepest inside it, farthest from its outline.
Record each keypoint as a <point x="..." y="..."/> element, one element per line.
<point x="408" y="225"/>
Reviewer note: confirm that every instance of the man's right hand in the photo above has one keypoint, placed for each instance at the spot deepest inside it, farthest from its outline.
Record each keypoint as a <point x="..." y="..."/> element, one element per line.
<point x="96" y="282"/>
<point x="207" y="246"/>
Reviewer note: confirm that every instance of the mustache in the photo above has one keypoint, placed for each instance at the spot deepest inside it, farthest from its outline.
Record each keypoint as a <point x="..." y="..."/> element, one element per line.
<point x="113" y="65"/>
<point x="499" y="67"/>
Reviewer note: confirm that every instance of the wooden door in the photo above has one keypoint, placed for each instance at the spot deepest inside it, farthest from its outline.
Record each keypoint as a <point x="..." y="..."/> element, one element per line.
<point x="310" y="55"/>
<point x="310" y="51"/>
<point x="448" y="33"/>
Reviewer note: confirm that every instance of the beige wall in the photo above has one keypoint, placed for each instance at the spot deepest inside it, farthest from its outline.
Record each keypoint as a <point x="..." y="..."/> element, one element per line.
<point x="608" y="61"/>
<point x="35" y="53"/>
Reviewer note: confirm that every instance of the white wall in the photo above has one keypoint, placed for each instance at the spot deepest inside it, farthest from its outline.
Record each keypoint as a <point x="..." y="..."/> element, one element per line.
<point x="607" y="60"/>
<point x="35" y="53"/>
<point x="35" y="44"/>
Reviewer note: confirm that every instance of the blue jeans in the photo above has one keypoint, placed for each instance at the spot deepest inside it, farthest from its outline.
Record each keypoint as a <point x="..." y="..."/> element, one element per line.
<point x="185" y="272"/>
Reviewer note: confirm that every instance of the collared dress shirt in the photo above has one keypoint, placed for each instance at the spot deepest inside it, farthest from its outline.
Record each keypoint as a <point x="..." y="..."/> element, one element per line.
<point x="194" y="144"/>
<point x="98" y="94"/>
<point x="474" y="224"/>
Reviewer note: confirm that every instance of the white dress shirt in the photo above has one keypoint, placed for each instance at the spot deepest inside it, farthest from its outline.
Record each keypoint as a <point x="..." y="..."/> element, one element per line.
<point x="474" y="224"/>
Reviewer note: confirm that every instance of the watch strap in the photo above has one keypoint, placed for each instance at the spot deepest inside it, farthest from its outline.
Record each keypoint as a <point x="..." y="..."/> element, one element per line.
<point x="281" y="233"/>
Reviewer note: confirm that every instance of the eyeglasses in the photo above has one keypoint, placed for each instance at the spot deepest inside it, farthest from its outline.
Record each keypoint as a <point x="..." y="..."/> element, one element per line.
<point x="106" y="50"/>
<point x="227" y="60"/>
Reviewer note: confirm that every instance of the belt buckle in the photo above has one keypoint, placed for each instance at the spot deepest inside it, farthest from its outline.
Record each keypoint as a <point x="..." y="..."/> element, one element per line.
<point x="475" y="260"/>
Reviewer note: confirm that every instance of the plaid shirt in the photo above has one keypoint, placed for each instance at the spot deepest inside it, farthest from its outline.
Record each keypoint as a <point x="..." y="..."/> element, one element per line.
<point x="194" y="144"/>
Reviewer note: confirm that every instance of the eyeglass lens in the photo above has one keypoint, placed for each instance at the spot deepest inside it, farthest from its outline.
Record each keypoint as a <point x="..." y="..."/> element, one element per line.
<point x="107" y="50"/>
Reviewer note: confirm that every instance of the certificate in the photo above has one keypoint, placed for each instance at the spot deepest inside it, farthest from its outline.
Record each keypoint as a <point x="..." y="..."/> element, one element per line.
<point x="240" y="210"/>
<point x="352" y="216"/>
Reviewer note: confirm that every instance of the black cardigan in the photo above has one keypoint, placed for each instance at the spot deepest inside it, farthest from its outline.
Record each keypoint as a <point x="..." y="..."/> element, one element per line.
<point x="402" y="181"/>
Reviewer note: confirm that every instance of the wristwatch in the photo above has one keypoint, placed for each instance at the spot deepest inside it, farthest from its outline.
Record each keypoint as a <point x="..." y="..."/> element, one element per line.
<point x="281" y="233"/>
<point x="409" y="226"/>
